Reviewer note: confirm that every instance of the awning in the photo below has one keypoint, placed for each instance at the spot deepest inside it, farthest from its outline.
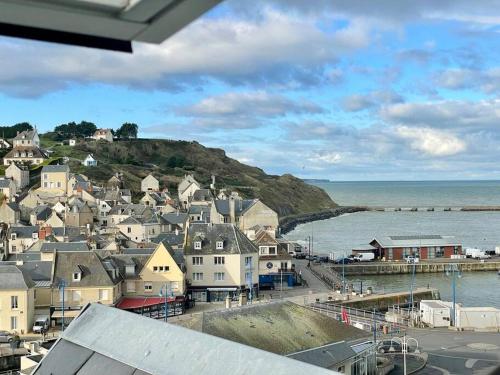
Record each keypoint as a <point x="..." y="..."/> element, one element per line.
<point x="128" y="303"/>
<point x="222" y="289"/>
<point x="67" y="313"/>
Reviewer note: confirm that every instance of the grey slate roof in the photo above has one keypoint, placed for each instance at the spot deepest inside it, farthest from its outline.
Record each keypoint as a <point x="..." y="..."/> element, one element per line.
<point x="126" y="346"/>
<point x="93" y="272"/>
<point x="138" y="251"/>
<point x="42" y="212"/>
<point x="5" y="182"/>
<point x="24" y="231"/>
<point x="25" y="257"/>
<point x="240" y="206"/>
<point x="39" y="270"/>
<point x="55" y="168"/>
<point x="137" y="260"/>
<point x="26" y="134"/>
<point x="48" y="247"/>
<point x="202" y="195"/>
<point x="413" y="241"/>
<point x="327" y="356"/>
<point x="176" y="218"/>
<point x="170" y="238"/>
<point x="13" y="277"/>
<point x="235" y="242"/>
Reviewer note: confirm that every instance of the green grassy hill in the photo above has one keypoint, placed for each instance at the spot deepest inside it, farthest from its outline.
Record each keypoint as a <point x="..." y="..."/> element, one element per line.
<point x="169" y="161"/>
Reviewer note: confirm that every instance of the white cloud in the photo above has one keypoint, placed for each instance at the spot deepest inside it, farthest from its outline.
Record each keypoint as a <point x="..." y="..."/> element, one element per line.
<point x="328" y="158"/>
<point x="432" y="142"/>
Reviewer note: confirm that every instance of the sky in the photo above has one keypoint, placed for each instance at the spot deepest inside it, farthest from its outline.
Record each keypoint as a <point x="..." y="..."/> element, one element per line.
<point x="330" y="89"/>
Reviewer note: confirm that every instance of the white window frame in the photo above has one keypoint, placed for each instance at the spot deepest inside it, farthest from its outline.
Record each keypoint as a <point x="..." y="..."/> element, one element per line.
<point x="77" y="276"/>
<point x="219" y="276"/>
<point x="148" y="287"/>
<point x="197" y="245"/>
<point x="219" y="245"/>
<point x="14" y="302"/>
<point x="197" y="276"/>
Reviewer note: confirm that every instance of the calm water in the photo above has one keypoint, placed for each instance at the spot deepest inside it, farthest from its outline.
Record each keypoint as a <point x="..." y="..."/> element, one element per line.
<point x="476" y="229"/>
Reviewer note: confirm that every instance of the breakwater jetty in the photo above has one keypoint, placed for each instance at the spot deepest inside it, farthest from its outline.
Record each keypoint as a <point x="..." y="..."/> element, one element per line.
<point x="432" y="208"/>
<point x="394" y="268"/>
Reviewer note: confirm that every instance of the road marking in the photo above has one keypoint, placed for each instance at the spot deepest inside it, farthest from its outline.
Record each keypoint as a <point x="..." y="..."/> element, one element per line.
<point x="470" y="363"/>
<point x="466" y="358"/>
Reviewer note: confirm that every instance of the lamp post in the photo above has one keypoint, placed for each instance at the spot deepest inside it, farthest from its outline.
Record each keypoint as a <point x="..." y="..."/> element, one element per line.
<point x="404" y="348"/>
<point x="308" y="239"/>
<point x="455" y="272"/>
<point x="166" y="300"/>
<point x="412" y="282"/>
<point x="62" y="285"/>
<point x="343" y="273"/>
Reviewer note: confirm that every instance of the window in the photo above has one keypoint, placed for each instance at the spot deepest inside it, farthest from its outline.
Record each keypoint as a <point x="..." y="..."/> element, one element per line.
<point x="197" y="245"/>
<point x="219" y="245"/>
<point x="148" y="287"/>
<point x="160" y="268"/>
<point x="248" y="277"/>
<point x="45" y="176"/>
<point x="13" y="323"/>
<point x="197" y="261"/>
<point x="248" y="261"/>
<point x="77" y="295"/>
<point x="13" y="236"/>
<point x="13" y="302"/>
<point x="103" y="295"/>
<point x="14" y="248"/>
<point x="45" y="184"/>
<point x="272" y="250"/>
<point x="155" y="268"/>
<point x="129" y="230"/>
<point x="129" y="269"/>
<point x="77" y="276"/>
<point x="58" y="184"/>
<point x="131" y="286"/>
<point x="219" y="276"/>
<point x="219" y="260"/>
<point x="197" y="276"/>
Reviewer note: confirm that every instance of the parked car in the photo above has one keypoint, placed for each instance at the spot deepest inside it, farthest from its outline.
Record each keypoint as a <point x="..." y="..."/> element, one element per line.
<point x="388" y="346"/>
<point x="344" y="261"/>
<point x="6" y="336"/>
<point x="324" y="259"/>
<point x="364" y="257"/>
<point x="412" y="259"/>
<point x="300" y="256"/>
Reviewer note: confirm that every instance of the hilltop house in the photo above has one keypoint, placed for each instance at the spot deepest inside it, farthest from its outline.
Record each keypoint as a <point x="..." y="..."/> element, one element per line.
<point x="19" y="174"/>
<point x="104" y="134"/>
<point x="221" y="261"/>
<point x="89" y="161"/>
<point x="150" y="183"/>
<point x="26" y="149"/>
<point x="17" y="298"/>
<point x="54" y="179"/>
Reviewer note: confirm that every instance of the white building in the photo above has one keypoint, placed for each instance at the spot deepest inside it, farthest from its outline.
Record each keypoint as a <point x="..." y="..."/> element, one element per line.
<point x="104" y="134"/>
<point x="72" y="142"/>
<point x="435" y="313"/>
<point x="89" y="161"/>
<point x="150" y="183"/>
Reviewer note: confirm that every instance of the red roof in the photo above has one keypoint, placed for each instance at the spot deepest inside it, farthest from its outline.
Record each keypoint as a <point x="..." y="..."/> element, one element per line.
<point x="136" y="302"/>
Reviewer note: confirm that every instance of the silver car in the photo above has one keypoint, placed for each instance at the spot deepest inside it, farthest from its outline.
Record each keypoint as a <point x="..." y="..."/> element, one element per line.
<point x="6" y="336"/>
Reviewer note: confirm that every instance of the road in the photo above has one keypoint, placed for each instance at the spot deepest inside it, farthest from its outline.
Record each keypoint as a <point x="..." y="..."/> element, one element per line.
<point x="451" y="352"/>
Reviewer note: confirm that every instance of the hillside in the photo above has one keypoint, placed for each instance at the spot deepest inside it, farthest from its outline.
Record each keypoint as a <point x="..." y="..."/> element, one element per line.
<point x="171" y="160"/>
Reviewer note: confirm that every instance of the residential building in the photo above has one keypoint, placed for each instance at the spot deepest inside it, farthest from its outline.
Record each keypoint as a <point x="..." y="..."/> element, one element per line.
<point x="186" y="189"/>
<point x="139" y="229"/>
<point x="78" y="183"/>
<point x="125" y="339"/>
<point x="156" y="200"/>
<point x="7" y="188"/>
<point x="21" y="238"/>
<point x="150" y="183"/>
<point x="89" y="161"/>
<point x="221" y="261"/>
<point x="79" y="214"/>
<point x="121" y="212"/>
<point x="27" y="138"/>
<point x="424" y="247"/>
<point x="103" y="134"/>
<point x="17" y="299"/>
<point x="72" y="142"/>
<point x="20" y="174"/>
<point x="9" y="212"/>
<point x="26" y="149"/>
<point x="40" y="214"/>
<point x="246" y="213"/>
<point x="4" y="145"/>
<point x="54" y="179"/>
<point x="86" y="278"/>
<point x="176" y="221"/>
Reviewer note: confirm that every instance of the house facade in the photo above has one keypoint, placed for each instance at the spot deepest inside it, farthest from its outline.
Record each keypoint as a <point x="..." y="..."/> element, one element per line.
<point x="150" y="183"/>
<point x="19" y="174"/>
<point x="54" y="179"/>
<point x="89" y="161"/>
<point x="221" y="261"/>
<point x="103" y="134"/>
<point x="7" y="188"/>
<point x="26" y="149"/>
<point x="17" y="299"/>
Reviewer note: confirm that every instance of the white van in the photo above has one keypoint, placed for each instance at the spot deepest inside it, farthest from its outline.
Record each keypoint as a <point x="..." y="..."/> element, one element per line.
<point x="41" y="324"/>
<point x="364" y="257"/>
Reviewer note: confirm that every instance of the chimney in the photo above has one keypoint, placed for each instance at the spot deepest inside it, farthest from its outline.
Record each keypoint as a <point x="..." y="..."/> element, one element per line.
<point x="232" y="210"/>
<point x="212" y="185"/>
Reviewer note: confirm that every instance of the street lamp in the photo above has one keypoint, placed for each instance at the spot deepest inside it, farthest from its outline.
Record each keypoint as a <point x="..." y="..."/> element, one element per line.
<point x="62" y="285"/>
<point x="455" y="272"/>
<point x="166" y="299"/>
<point x="309" y="239"/>
<point x="412" y="282"/>
<point x="404" y="348"/>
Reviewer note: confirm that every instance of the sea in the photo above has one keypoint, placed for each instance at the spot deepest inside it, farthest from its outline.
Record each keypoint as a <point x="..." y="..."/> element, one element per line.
<point x="341" y="234"/>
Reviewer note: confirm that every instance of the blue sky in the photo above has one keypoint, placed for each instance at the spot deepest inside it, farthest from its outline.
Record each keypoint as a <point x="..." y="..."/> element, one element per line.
<point x="337" y="89"/>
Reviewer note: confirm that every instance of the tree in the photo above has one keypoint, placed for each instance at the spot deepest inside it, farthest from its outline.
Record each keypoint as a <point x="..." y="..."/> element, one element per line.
<point x="127" y="130"/>
<point x="11" y="131"/>
<point x="72" y="129"/>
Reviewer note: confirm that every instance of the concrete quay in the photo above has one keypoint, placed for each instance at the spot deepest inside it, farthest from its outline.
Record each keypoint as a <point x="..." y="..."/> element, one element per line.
<point x="394" y="268"/>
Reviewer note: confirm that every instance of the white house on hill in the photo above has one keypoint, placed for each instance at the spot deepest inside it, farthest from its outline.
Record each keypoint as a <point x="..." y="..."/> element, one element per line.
<point x="89" y="161"/>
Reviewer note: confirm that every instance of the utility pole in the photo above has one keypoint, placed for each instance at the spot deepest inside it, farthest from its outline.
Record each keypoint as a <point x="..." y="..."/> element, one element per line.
<point x="455" y="271"/>
<point x="62" y="285"/>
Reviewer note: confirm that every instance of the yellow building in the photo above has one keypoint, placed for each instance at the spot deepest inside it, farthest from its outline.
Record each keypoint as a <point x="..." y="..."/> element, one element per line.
<point x="86" y="278"/>
<point x="54" y="178"/>
<point x="17" y="300"/>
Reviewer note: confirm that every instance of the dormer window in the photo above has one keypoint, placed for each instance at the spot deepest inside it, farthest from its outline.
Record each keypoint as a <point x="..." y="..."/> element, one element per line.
<point x="197" y="245"/>
<point x="77" y="276"/>
<point x="13" y="236"/>
<point x="130" y="269"/>
<point x="219" y="245"/>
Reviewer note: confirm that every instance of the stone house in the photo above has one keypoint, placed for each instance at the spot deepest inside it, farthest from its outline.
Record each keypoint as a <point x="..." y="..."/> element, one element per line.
<point x="150" y="183"/>
<point x="21" y="238"/>
<point x="20" y="174"/>
<point x="9" y="213"/>
<point x="8" y="188"/>
<point x="186" y="189"/>
<point x="79" y="214"/>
